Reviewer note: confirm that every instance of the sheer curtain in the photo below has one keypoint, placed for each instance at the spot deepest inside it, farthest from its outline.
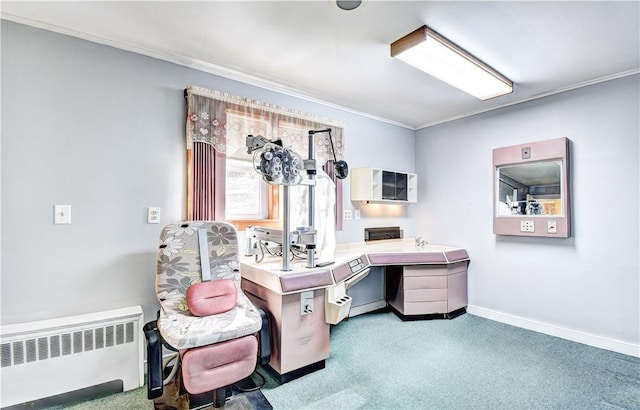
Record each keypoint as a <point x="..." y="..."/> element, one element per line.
<point x="217" y="127"/>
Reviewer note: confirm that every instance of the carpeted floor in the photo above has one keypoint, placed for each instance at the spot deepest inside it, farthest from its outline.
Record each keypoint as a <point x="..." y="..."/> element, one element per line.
<point x="379" y="362"/>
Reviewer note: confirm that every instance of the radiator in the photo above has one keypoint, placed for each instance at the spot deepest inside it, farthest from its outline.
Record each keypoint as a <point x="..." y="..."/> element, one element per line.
<point x="50" y="357"/>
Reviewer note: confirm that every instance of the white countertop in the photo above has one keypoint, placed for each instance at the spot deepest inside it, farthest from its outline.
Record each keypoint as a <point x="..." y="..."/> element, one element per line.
<point x="268" y="273"/>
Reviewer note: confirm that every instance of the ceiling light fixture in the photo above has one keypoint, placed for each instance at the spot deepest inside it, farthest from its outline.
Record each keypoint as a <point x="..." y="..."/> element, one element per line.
<point x="428" y="51"/>
<point x="348" y="4"/>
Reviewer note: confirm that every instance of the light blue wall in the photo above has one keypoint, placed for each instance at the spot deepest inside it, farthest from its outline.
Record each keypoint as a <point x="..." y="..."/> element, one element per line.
<point x="103" y="130"/>
<point x="588" y="283"/>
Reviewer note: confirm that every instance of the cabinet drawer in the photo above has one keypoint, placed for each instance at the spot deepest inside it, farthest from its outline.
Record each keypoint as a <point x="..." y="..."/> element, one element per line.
<point x="425" y="282"/>
<point x="425" y="270"/>
<point x="425" y="295"/>
<point x="424" y="308"/>
<point x="457" y="267"/>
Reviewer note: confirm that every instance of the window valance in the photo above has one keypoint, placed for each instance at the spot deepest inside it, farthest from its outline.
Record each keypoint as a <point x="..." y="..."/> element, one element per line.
<point x="224" y="121"/>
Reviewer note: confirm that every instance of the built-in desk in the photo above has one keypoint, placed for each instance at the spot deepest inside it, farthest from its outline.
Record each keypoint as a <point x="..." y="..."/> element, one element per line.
<point x="421" y="283"/>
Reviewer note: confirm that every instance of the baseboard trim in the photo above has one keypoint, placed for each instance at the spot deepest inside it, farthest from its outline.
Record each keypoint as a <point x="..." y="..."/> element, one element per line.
<point x="553" y="330"/>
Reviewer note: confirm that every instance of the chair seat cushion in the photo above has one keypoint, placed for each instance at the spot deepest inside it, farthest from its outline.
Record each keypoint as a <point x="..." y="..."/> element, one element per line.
<point x="212" y="297"/>
<point x="211" y="367"/>
<point x="182" y="330"/>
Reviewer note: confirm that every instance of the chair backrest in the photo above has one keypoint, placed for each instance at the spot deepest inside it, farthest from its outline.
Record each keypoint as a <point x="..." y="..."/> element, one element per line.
<point x="179" y="256"/>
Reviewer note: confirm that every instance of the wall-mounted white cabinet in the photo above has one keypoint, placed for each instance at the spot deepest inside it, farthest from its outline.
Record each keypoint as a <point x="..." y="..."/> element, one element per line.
<point x="383" y="186"/>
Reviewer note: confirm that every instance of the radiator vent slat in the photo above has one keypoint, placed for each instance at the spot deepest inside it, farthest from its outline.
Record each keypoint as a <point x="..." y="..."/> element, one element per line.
<point x="99" y="338"/>
<point x="119" y="334"/>
<point x="77" y="342"/>
<point x="5" y="350"/>
<point x="109" y="336"/>
<point x="66" y="344"/>
<point x="55" y="346"/>
<point x="18" y="352"/>
<point x="129" y="327"/>
<point x="43" y="348"/>
<point x="88" y="340"/>
<point x="31" y="350"/>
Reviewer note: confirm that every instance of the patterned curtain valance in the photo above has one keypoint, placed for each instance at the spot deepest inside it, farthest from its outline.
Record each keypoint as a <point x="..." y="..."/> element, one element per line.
<point x="224" y="121"/>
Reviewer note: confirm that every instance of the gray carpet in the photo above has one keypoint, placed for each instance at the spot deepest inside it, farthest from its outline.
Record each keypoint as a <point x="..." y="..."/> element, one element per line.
<point x="380" y="362"/>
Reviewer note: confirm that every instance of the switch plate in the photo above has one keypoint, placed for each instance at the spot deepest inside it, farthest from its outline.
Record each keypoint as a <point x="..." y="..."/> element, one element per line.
<point x="306" y="303"/>
<point x="526" y="152"/>
<point x="347" y="215"/>
<point x="552" y="227"/>
<point x="153" y="215"/>
<point x="356" y="214"/>
<point x="527" y="226"/>
<point x="61" y="214"/>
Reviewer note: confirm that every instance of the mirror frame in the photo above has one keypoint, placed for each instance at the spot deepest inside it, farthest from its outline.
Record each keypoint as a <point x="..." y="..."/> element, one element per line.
<point x="541" y="151"/>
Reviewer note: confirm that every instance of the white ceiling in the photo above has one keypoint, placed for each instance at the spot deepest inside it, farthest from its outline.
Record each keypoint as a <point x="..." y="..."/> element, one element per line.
<point x="316" y="50"/>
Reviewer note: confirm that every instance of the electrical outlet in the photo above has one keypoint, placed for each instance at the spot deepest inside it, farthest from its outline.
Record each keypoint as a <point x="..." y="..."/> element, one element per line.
<point x="306" y="303"/>
<point x="153" y="215"/>
<point x="347" y="215"/>
<point x="527" y="226"/>
<point x="552" y="227"/>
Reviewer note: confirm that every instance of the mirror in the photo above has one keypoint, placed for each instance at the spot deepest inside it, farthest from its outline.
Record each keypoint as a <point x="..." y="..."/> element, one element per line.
<point x="533" y="189"/>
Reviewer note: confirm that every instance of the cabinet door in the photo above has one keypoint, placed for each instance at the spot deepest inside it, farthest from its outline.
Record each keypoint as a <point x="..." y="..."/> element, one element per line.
<point x="394" y="186"/>
<point x="388" y="185"/>
<point x="401" y="187"/>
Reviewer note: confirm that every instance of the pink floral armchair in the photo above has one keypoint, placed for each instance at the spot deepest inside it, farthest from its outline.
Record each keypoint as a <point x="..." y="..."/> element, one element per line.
<point x="204" y="315"/>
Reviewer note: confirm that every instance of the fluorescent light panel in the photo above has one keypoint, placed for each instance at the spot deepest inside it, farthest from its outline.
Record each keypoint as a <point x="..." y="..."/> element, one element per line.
<point x="428" y="51"/>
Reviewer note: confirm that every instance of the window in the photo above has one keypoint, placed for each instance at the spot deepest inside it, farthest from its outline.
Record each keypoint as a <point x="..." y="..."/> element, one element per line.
<point x="246" y="194"/>
<point x="248" y="200"/>
<point x="221" y="181"/>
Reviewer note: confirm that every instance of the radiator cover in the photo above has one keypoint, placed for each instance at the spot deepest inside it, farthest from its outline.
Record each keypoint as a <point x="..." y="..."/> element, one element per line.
<point x="50" y="357"/>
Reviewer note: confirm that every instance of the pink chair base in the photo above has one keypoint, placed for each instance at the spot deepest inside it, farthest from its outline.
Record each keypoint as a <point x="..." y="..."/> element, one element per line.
<point x="214" y="366"/>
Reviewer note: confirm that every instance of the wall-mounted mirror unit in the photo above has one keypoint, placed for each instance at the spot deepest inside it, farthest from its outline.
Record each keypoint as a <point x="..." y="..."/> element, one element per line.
<point x="531" y="189"/>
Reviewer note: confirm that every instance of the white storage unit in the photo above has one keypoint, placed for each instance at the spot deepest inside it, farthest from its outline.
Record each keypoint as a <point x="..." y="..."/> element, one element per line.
<point x="383" y="186"/>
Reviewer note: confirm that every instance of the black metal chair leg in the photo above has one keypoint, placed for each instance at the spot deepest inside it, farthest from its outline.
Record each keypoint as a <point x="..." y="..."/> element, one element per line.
<point x="219" y="397"/>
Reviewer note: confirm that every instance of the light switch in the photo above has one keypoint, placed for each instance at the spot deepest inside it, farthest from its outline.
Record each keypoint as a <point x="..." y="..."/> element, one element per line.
<point x="61" y="214"/>
<point x="552" y="227"/>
